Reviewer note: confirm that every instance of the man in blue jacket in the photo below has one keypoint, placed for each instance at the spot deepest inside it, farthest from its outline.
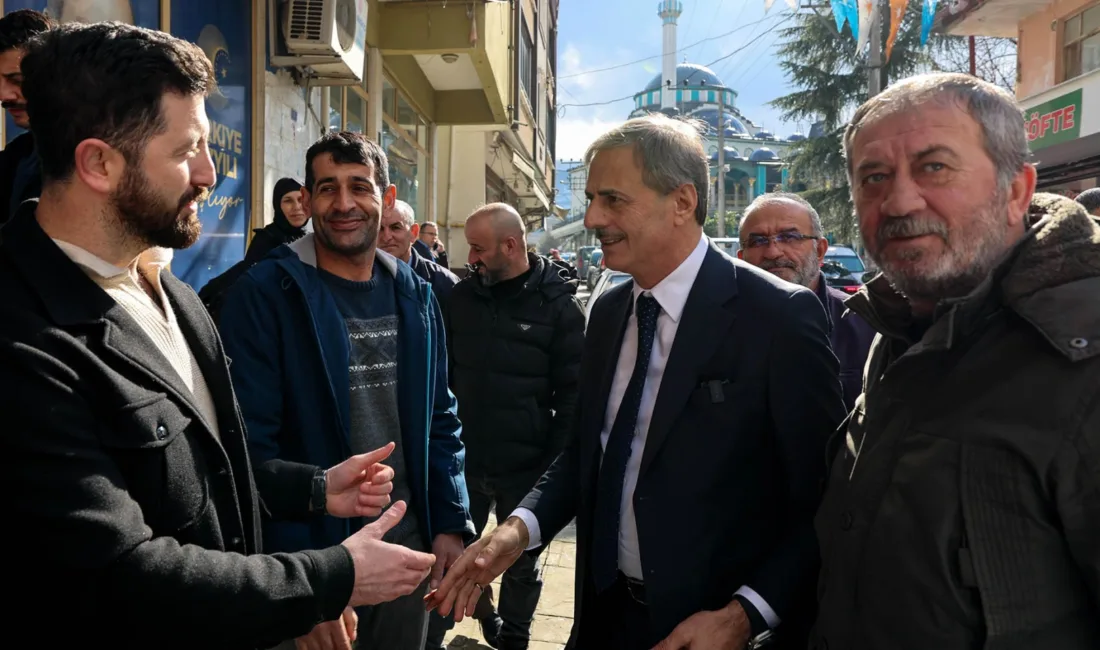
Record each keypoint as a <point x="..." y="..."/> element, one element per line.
<point x="336" y="348"/>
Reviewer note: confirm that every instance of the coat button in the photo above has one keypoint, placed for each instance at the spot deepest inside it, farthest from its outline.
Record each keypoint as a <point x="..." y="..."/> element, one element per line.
<point x="235" y="542"/>
<point x="223" y="471"/>
<point x="846" y="521"/>
<point x="162" y="432"/>
<point x="1079" y="343"/>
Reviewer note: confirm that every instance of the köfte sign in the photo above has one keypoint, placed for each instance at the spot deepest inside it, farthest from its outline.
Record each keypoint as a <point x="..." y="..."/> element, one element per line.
<point x="1054" y="122"/>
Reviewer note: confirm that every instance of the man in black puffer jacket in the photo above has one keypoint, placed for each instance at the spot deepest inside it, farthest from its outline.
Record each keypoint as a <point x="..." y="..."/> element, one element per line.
<point x="515" y="331"/>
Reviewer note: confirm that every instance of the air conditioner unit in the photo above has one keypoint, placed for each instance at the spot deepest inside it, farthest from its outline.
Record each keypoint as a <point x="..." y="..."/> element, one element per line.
<point x="329" y="35"/>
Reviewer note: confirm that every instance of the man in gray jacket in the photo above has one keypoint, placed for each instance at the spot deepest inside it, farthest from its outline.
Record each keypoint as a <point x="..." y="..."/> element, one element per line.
<point x="963" y="505"/>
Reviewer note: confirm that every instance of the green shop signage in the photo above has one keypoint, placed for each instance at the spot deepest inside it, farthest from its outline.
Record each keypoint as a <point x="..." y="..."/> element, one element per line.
<point x="1054" y="122"/>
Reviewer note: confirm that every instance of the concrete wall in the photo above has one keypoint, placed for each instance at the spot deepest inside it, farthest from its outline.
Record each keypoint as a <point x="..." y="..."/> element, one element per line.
<point x="460" y="185"/>
<point x="1040" y="52"/>
<point x="289" y="129"/>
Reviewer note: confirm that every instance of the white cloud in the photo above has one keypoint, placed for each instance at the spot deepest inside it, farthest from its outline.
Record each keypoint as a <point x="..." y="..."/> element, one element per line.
<point x="571" y="65"/>
<point x="576" y="133"/>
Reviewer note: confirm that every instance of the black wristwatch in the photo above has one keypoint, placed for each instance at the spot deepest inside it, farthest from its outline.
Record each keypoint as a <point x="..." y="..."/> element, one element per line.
<point x="318" y="496"/>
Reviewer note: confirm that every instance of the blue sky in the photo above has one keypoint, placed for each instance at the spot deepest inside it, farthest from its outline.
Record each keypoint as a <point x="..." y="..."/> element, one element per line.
<point x="596" y="34"/>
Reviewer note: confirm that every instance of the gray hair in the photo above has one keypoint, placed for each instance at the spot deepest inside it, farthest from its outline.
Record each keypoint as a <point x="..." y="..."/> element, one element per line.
<point x="994" y="109"/>
<point x="670" y="152"/>
<point x="1090" y="199"/>
<point x="777" y="197"/>
<point x="408" y="216"/>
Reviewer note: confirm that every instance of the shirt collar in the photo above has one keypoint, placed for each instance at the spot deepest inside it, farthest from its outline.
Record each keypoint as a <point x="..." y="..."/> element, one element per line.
<point x="672" y="292"/>
<point x="150" y="263"/>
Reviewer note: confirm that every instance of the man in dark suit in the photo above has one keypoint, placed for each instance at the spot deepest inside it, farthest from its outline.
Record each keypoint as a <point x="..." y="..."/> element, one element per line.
<point x="708" y="394"/>
<point x="134" y="515"/>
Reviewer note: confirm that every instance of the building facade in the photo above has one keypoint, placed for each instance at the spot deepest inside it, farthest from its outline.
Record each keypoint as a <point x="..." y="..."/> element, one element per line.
<point x="1058" y="79"/>
<point x="461" y="96"/>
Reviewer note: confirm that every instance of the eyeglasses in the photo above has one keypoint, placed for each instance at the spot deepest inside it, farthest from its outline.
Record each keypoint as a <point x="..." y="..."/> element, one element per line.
<point x="781" y="239"/>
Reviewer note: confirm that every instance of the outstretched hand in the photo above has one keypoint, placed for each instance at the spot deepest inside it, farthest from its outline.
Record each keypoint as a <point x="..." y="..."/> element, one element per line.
<point x="361" y="485"/>
<point x="482" y="563"/>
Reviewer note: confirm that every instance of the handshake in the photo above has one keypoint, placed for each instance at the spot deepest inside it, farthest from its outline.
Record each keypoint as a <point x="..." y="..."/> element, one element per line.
<point x="360" y="487"/>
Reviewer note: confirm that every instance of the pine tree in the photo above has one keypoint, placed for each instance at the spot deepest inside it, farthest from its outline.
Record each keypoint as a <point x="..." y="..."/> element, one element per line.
<point x="831" y="81"/>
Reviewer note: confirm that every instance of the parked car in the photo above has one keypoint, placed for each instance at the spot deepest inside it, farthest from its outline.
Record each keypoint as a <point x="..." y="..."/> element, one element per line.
<point x="607" y="280"/>
<point x="582" y="259"/>
<point x="838" y="276"/>
<point x="728" y="245"/>
<point x="595" y="268"/>
<point x="847" y="258"/>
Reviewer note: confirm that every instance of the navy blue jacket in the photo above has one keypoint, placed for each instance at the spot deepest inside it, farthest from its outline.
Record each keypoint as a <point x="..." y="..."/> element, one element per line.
<point x="851" y="339"/>
<point x="441" y="279"/>
<point x="288" y="346"/>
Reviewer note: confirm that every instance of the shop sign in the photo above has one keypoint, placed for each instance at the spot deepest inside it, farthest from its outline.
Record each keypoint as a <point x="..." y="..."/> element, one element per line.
<point x="223" y="30"/>
<point x="1054" y="121"/>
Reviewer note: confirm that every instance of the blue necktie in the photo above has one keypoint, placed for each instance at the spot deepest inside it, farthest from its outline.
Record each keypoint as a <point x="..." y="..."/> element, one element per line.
<point x="609" y="492"/>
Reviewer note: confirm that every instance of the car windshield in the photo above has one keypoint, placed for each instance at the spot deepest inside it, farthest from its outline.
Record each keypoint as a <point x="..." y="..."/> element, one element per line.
<point x="850" y="262"/>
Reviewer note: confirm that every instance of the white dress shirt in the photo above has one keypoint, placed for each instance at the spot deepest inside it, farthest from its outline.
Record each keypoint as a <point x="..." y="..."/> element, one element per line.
<point x="671" y="294"/>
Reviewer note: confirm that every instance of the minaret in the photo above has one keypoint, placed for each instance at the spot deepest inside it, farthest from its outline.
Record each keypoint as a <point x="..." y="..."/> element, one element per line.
<point x="669" y="11"/>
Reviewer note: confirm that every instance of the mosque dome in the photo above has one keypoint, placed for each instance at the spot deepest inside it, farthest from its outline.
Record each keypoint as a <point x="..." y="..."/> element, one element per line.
<point x="709" y="115"/>
<point x="796" y="137"/>
<point x="731" y="154"/>
<point x="764" y="134"/>
<point x="763" y="154"/>
<point x="691" y="75"/>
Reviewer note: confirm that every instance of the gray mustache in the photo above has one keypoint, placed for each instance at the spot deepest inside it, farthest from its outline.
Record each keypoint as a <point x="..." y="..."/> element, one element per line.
<point x="768" y="265"/>
<point x="905" y="227"/>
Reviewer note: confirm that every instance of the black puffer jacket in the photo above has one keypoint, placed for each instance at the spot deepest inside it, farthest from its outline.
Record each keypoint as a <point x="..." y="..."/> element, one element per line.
<point x="515" y="363"/>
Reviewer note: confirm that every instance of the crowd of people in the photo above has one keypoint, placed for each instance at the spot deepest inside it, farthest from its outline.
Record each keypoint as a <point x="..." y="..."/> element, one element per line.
<point x="307" y="456"/>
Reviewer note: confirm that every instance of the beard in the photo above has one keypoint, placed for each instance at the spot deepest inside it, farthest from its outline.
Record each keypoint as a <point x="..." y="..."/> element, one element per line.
<point x="967" y="258"/>
<point x="151" y="218"/>
<point x="488" y="276"/>
<point x="350" y="244"/>
<point x="804" y="273"/>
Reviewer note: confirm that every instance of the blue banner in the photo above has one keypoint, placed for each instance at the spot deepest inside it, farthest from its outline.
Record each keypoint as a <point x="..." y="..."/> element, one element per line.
<point x="223" y="29"/>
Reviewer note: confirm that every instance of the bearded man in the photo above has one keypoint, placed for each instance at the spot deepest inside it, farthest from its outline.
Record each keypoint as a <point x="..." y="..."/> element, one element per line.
<point x="962" y="507"/>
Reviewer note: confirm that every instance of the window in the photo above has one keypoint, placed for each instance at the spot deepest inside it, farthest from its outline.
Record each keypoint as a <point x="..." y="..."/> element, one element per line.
<point x="1081" y="43"/>
<point x="527" y="63"/>
<point x="335" y="108"/>
<point x="356" y="118"/>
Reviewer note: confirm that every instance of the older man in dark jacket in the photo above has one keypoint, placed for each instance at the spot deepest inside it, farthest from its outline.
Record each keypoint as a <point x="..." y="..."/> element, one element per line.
<point x="515" y="332"/>
<point x="782" y="233"/>
<point x="962" y="508"/>
<point x="396" y="236"/>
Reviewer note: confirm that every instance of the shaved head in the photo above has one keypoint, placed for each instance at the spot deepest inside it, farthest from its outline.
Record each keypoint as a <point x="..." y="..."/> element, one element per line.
<point x="498" y="242"/>
<point x="503" y="220"/>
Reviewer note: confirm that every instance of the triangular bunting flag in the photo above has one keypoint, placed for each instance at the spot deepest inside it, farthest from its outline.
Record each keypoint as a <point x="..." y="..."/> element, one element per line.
<point x="927" y="17"/>
<point x="897" y="14"/>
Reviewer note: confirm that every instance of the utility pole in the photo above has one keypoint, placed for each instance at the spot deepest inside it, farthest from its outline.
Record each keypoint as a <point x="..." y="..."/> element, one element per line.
<point x="973" y="58"/>
<point x="721" y="162"/>
<point x="875" y="55"/>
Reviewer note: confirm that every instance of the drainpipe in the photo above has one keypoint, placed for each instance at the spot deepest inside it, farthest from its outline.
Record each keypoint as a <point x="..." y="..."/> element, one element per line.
<point x="517" y="39"/>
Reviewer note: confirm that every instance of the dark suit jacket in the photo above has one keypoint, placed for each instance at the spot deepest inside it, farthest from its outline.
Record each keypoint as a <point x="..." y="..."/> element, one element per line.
<point x="125" y="515"/>
<point x="729" y="483"/>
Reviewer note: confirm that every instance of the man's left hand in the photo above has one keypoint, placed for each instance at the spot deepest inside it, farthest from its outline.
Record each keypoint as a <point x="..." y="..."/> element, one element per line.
<point x="725" y="629"/>
<point x="447" y="549"/>
<point x="361" y="485"/>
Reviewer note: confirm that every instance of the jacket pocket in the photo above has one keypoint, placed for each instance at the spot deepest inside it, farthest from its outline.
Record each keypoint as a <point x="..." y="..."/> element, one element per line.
<point x="161" y="458"/>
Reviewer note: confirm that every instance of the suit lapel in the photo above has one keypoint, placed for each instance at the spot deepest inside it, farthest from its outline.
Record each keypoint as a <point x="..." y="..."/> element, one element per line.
<point x="706" y="318"/>
<point x="610" y="341"/>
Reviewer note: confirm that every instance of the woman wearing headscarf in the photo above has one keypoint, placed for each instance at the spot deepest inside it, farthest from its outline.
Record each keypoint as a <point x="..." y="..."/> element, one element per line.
<point x="289" y="223"/>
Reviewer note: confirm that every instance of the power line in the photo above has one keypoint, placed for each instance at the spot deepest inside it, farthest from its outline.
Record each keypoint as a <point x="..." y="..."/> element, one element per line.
<point x="691" y="19"/>
<point x="658" y="56"/>
<point x="726" y="65"/>
<point x="719" y="59"/>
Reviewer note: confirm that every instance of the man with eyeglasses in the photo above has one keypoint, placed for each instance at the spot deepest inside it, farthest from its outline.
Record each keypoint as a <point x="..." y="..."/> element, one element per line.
<point x="781" y="233"/>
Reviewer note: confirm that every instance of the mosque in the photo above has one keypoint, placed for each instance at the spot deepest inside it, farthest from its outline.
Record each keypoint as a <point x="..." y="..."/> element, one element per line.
<point x="754" y="157"/>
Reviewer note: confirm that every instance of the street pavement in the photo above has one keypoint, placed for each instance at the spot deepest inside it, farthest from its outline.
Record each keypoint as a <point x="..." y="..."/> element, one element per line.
<point x="554" y="617"/>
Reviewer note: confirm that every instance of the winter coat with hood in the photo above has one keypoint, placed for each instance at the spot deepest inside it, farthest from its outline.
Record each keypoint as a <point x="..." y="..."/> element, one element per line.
<point x="288" y="343"/>
<point x="963" y="505"/>
<point x="515" y="364"/>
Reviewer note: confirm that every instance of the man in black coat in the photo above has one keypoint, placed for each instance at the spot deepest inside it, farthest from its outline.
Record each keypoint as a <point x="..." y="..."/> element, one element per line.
<point x="515" y="332"/>
<point x="396" y="235"/>
<point x="782" y="233"/>
<point x="708" y="392"/>
<point x="122" y="446"/>
<point x="19" y="177"/>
